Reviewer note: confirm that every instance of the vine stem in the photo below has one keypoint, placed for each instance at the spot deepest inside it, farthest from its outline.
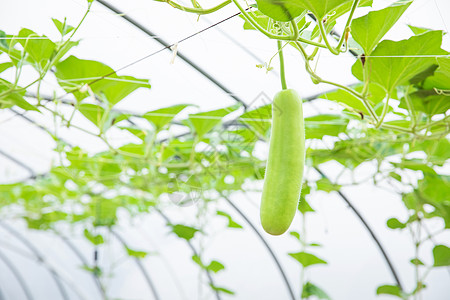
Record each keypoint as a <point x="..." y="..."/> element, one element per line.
<point x="431" y="236"/>
<point x="65" y="120"/>
<point x="196" y="10"/>
<point x="282" y="73"/>
<point x="308" y="68"/>
<point x="294" y="30"/>
<point x="434" y="123"/>
<point x="394" y="127"/>
<point x="271" y="35"/>
<point x="384" y="112"/>
<point x="79" y="24"/>
<point x="349" y="22"/>
<point x="315" y="51"/>
<point x="323" y="33"/>
<point x="410" y="106"/>
<point x="336" y="50"/>
<point x="263" y="240"/>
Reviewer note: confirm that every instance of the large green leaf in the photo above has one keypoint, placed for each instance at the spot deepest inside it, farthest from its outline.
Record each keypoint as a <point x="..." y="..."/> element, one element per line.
<point x="351" y="102"/>
<point x="303" y="205"/>
<point x="352" y="152"/>
<point x="394" y="223"/>
<point x="435" y="188"/>
<point x="95" y="239"/>
<point x="324" y="184"/>
<point x="7" y="43"/>
<point x="415" y="165"/>
<point x="344" y="8"/>
<point x="96" y="114"/>
<point x="104" y="211"/>
<point x="441" y="255"/>
<point x="317" y="127"/>
<point x="163" y="116"/>
<point x="221" y="289"/>
<point x="307" y="259"/>
<point x="115" y="89"/>
<point x="5" y="66"/>
<point x="259" y="17"/>
<point x="280" y="10"/>
<point x="205" y="121"/>
<point x="441" y="78"/>
<point x="369" y="29"/>
<point x="436" y="104"/>
<point x="13" y="97"/>
<point x="427" y="101"/>
<point x="138" y="132"/>
<point x="258" y="119"/>
<point x="213" y="266"/>
<point x="392" y="290"/>
<point x="418" y="30"/>
<point x="184" y="232"/>
<point x="320" y="8"/>
<point x="310" y="290"/>
<point x="39" y="48"/>
<point x="62" y="27"/>
<point x="74" y="73"/>
<point x="136" y="253"/>
<point x="394" y="63"/>
<point x="437" y="151"/>
<point x="231" y="222"/>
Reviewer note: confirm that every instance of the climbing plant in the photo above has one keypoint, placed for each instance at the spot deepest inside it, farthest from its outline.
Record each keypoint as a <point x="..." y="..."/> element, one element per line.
<point x="395" y="118"/>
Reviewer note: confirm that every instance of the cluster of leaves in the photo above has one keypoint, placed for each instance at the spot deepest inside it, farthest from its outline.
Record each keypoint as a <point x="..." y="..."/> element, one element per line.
<point x="403" y="92"/>
<point x="397" y="113"/>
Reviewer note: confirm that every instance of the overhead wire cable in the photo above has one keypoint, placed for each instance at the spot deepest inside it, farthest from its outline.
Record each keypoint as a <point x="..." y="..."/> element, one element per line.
<point x="168" y="46"/>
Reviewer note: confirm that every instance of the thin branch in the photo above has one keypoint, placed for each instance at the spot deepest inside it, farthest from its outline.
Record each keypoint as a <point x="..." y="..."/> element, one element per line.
<point x="347" y="25"/>
<point x="282" y="72"/>
<point x="411" y="108"/>
<point x="333" y="33"/>
<point x="325" y="39"/>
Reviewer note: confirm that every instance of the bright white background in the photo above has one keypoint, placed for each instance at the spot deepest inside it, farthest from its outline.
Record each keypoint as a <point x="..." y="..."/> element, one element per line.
<point x="355" y="266"/>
